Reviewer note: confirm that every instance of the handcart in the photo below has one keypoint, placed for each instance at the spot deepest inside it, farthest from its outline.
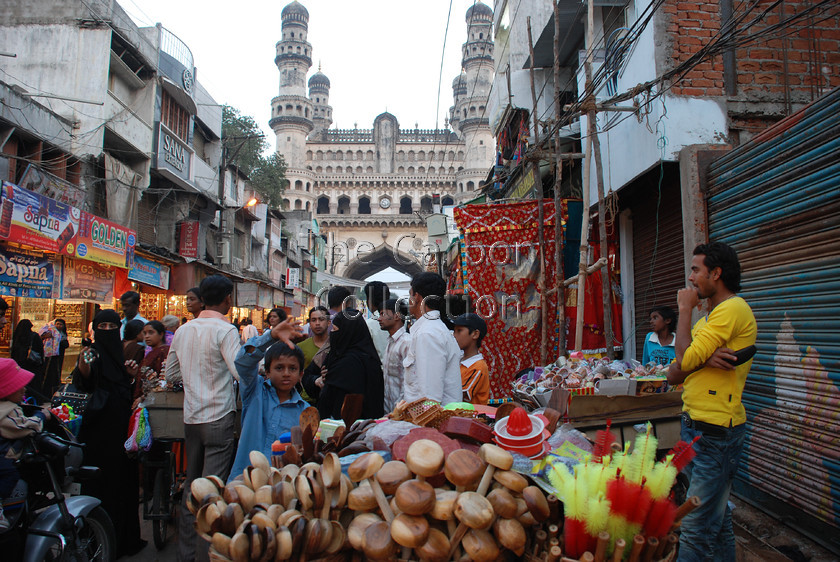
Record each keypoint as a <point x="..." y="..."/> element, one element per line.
<point x="164" y="465"/>
<point x="589" y="413"/>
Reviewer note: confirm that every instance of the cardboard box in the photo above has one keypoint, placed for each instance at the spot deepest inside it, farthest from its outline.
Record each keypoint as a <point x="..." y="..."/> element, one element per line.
<point x="166" y="414"/>
<point x="596" y="409"/>
<point x="615" y="387"/>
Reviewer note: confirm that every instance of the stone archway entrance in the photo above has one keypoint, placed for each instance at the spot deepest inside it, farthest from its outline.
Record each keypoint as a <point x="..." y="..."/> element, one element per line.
<point x="381" y="258"/>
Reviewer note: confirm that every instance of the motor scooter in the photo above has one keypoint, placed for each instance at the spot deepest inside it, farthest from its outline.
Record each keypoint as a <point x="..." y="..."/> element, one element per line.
<point x="48" y="519"/>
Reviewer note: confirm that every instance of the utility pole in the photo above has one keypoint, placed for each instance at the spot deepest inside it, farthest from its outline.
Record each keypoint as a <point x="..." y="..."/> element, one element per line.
<point x="559" y="239"/>
<point x="593" y="146"/>
<point x="535" y="169"/>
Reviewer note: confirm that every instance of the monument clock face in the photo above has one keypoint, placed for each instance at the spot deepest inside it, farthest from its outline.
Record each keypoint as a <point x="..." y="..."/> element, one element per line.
<point x="385" y="202"/>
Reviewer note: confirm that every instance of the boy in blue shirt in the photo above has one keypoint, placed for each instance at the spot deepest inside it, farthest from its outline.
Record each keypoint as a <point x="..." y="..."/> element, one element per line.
<point x="659" y="342"/>
<point x="270" y="404"/>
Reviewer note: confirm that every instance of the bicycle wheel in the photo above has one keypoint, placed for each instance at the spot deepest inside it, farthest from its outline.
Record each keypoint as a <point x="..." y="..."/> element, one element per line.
<point x="160" y="507"/>
<point x="97" y="537"/>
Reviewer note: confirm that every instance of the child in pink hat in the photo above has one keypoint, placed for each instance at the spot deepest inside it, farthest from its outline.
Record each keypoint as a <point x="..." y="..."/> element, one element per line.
<point x="14" y="425"/>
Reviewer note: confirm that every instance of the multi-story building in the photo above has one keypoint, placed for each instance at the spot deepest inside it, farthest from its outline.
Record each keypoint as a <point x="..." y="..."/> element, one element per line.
<point x="110" y="118"/>
<point x="685" y="92"/>
<point x="370" y="188"/>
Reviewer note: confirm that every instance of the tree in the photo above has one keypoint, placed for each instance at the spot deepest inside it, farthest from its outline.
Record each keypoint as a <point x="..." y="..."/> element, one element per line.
<point x="242" y="139"/>
<point x="244" y="145"/>
<point x="269" y="179"/>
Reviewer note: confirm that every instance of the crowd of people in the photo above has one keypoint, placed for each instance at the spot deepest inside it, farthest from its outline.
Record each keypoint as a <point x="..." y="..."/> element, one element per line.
<point x="403" y="351"/>
<point x="278" y="372"/>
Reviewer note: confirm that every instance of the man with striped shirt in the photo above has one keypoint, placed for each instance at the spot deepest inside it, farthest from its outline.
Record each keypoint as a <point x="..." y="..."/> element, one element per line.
<point x="202" y="354"/>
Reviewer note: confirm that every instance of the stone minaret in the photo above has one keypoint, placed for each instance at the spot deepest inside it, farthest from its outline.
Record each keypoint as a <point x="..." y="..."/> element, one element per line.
<point x="319" y="95"/>
<point x="292" y="112"/>
<point x="471" y="90"/>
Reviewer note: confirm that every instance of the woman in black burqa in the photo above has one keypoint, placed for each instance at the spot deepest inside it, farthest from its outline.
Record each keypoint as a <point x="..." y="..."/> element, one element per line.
<point x="352" y="367"/>
<point x="27" y="350"/>
<point x="105" y="429"/>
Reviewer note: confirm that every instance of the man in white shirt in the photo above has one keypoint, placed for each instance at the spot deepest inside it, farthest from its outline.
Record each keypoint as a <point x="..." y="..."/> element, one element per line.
<point x="249" y="330"/>
<point x="392" y="322"/>
<point x="130" y="304"/>
<point x="202" y="354"/>
<point x="433" y="363"/>
<point x="376" y="293"/>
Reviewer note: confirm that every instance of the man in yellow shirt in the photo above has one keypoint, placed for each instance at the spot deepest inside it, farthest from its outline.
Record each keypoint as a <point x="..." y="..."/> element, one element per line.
<point x="712" y="405"/>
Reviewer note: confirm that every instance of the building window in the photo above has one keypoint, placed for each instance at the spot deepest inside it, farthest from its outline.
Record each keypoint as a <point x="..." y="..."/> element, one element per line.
<point x="405" y="206"/>
<point x="426" y="205"/>
<point x="343" y="205"/>
<point x="323" y="206"/>
<point x="175" y="117"/>
<point x="447" y="201"/>
<point x="364" y="205"/>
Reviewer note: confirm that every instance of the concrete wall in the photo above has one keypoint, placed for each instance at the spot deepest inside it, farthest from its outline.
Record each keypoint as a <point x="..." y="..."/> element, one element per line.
<point x="631" y="145"/>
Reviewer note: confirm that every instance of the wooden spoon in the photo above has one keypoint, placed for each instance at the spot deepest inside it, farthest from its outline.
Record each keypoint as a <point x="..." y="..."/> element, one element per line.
<point x="356" y="529"/>
<point x="364" y="468"/>
<point x="391" y="475"/>
<point x="503" y="503"/>
<point x="409" y="531"/>
<point x="510" y="534"/>
<point x="505" y="409"/>
<point x="473" y="511"/>
<point x="339" y="537"/>
<point x="495" y="457"/>
<point x="377" y="542"/>
<point x="424" y="458"/>
<point x="444" y="508"/>
<point x="513" y="481"/>
<point x="480" y="546"/>
<point x="463" y="468"/>
<point x="331" y="477"/>
<point x="414" y="497"/>
<point x="308" y="443"/>
<point x="351" y="408"/>
<point x="436" y="547"/>
<point x="310" y="417"/>
<point x="536" y="502"/>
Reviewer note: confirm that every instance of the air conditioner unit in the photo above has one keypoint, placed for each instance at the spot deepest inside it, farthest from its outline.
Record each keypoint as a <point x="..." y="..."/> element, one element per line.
<point x="236" y="264"/>
<point x="223" y="251"/>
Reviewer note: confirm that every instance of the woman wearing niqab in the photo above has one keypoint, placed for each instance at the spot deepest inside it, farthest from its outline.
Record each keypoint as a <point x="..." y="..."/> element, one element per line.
<point x="352" y="367"/>
<point x="105" y="429"/>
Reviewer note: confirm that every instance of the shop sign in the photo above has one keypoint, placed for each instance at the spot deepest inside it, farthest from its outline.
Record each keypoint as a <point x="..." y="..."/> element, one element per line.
<point x="173" y="154"/>
<point x="524" y="188"/>
<point x="246" y="294"/>
<point x="26" y="274"/>
<point x="188" y="239"/>
<point x="35" y="220"/>
<point x="293" y="277"/>
<point x="39" y="181"/>
<point x="279" y="298"/>
<point x="105" y="242"/>
<point x="149" y="272"/>
<point x="87" y="280"/>
<point x="265" y="300"/>
<point x="289" y="300"/>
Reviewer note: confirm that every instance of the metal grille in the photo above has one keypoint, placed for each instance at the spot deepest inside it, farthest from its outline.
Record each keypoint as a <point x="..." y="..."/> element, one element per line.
<point x="776" y="201"/>
<point x="657" y="258"/>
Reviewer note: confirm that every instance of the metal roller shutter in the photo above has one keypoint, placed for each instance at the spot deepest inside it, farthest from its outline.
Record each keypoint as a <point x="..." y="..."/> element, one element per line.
<point x="658" y="270"/>
<point x="776" y="200"/>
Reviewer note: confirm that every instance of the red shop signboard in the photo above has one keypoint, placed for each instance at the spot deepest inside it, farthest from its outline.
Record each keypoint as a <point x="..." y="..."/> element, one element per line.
<point x="188" y="240"/>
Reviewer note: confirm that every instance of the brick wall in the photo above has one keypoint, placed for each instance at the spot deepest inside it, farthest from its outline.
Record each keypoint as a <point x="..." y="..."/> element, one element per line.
<point x="810" y="50"/>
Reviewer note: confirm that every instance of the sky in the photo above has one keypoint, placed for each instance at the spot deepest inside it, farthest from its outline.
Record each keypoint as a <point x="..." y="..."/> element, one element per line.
<point x="378" y="54"/>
